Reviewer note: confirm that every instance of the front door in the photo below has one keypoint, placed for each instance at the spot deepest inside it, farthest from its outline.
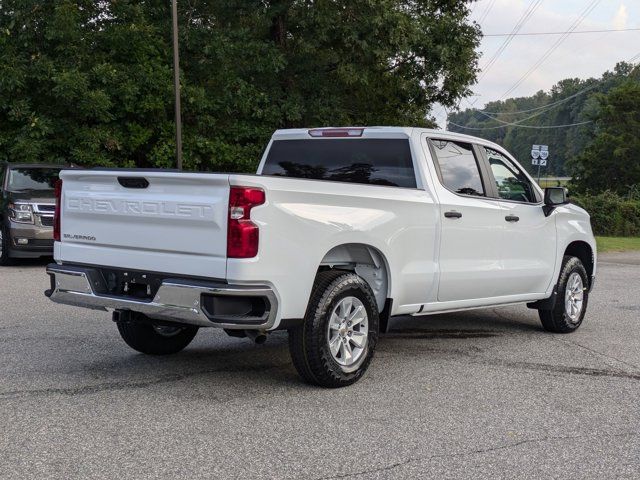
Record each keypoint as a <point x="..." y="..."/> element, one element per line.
<point x="529" y="243"/>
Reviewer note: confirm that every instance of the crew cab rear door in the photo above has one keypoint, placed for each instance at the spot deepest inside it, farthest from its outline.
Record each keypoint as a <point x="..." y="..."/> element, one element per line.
<point x="472" y="224"/>
<point x="159" y="221"/>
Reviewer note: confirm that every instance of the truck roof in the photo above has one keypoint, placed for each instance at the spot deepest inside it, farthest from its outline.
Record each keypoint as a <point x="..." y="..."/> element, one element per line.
<point x="378" y="132"/>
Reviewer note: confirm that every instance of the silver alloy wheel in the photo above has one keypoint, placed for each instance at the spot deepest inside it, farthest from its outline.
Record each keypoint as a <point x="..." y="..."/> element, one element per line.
<point x="574" y="297"/>
<point x="167" y="330"/>
<point x="348" y="331"/>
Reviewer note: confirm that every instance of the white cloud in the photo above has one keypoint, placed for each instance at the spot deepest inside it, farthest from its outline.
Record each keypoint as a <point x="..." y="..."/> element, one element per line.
<point x="621" y="17"/>
<point x="580" y="55"/>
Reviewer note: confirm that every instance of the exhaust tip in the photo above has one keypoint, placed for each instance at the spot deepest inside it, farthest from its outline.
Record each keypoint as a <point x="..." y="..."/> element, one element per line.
<point x="256" y="336"/>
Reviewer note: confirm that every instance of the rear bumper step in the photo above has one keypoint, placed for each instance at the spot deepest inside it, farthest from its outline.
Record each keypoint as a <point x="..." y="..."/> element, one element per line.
<point x="205" y="304"/>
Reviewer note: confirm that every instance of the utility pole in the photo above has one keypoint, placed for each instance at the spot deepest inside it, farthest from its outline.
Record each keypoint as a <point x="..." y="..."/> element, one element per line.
<point x="176" y="83"/>
<point x="538" y="173"/>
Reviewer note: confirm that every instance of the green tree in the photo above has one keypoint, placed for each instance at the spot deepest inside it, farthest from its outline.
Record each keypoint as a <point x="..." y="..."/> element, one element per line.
<point x="90" y="81"/>
<point x="576" y="102"/>
<point x="611" y="161"/>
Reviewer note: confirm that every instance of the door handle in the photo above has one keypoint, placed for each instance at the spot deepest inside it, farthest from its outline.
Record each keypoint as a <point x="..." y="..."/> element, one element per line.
<point x="452" y="214"/>
<point x="511" y="218"/>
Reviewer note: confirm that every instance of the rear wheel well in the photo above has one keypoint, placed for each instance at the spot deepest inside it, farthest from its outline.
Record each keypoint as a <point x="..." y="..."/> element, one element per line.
<point x="583" y="251"/>
<point x="370" y="264"/>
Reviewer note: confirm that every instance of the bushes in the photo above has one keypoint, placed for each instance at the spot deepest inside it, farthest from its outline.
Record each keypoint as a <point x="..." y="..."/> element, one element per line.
<point x="612" y="215"/>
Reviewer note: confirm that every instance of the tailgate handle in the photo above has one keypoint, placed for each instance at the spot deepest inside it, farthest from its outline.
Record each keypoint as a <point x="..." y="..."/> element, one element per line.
<point x="133" y="182"/>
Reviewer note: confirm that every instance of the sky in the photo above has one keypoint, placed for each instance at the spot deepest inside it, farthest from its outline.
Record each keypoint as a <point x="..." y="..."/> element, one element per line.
<point x="579" y="55"/>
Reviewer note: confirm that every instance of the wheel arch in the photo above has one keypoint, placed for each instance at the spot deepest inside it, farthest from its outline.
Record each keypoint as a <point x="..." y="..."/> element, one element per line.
<point x="584" y="252"/>
<point x="366" y="261"/>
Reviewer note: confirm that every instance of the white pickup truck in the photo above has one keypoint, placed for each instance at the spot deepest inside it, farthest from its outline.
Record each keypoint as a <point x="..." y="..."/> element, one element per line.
<point x="339" y="230"/>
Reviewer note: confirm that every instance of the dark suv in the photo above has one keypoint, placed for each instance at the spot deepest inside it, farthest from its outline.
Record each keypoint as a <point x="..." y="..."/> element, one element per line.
<point x="27" y="206"/>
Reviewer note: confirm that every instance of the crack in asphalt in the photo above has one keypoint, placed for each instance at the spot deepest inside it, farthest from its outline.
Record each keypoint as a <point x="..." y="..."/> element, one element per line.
<point x="480" y="451"/>
<point x="544" y="367"/>
<point x="124" y="385"/>
<point x="519" y="365"/>
<point x="531" y="366"/>
<point x="595" y="352"/>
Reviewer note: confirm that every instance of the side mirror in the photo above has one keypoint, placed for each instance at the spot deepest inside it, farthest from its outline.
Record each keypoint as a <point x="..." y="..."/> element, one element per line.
<point x="553" y="196"/>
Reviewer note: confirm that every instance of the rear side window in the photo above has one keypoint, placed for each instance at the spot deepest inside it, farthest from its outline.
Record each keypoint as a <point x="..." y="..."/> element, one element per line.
<point x="368" y="160"/>
<point x="459" y="169"/>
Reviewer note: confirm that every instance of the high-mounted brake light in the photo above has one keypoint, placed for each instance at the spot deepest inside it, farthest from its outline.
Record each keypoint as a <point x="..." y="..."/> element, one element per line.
<point x="242" y="234"/>
<point x="56" y="215"/>
<point x="336" y="132"/>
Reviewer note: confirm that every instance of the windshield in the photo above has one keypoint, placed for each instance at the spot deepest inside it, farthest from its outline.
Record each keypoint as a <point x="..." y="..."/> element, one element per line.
<point x="32" y="178"/>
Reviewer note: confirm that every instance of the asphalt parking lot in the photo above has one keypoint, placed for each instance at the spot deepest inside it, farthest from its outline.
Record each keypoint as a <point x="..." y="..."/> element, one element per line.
<point x="483" y="394"/>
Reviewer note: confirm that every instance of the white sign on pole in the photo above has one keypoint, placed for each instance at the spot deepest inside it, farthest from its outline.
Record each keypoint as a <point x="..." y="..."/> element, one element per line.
<point x="544" y="152"/>
<point x="535" y="152"/>
<point x="539" y="152"/>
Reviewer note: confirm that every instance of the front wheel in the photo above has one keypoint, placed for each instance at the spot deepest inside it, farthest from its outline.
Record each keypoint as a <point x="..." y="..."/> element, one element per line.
<point x="334" y="346"/>
<point x="141" y="334"/>
<point x="4" y="246"/>
<point x="571" y="301"/>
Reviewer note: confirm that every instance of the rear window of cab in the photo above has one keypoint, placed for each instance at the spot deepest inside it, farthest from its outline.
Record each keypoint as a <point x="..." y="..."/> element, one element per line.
<point x="370" y="161"/>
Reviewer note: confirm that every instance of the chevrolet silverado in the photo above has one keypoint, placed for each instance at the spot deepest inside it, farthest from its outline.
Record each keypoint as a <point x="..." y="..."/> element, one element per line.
<point x="339" y="230"/>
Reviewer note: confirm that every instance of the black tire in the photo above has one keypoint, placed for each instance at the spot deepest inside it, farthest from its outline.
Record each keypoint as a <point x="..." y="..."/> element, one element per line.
<point x="309" y="343"/>
<point x="143" y="335"/>
<point x="558" y="319"/>
<point x="4" y="251"/>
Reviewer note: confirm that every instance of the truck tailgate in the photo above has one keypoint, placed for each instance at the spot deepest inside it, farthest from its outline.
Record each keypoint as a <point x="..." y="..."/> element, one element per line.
<point x="157" y="221"/>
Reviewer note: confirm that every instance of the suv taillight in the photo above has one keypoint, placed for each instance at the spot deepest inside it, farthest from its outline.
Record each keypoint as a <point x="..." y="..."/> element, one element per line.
<point x="56" y="214"/>
<point x="242" y="233"/>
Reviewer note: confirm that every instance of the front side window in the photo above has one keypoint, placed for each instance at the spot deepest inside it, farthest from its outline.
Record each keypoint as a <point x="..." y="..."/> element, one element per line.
<point x="458" y="167"/>
<point x="512" y="184"/>
<point x="365" y="160"/>
<point x="28" y="178"/>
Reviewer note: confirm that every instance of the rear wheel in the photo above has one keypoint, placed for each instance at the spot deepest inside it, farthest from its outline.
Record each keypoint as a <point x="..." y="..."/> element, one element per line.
<point x="571" y="301"/>
<point x="334" y="346"/>
<point x="143" y="335"/>
<point x="4" y="246"/>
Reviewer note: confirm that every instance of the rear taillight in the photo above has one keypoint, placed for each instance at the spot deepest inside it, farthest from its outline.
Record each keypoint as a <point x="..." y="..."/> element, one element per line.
<point x="56" y="215"/>
<point x="242" y="233"/>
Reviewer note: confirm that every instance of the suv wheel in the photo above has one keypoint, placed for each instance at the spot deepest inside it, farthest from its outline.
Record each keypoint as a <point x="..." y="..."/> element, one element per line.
<point x="572" y="299"/>
<point x="4" y="246"/>
<point x="143" y="335"/>
<point x="334" y="346"/>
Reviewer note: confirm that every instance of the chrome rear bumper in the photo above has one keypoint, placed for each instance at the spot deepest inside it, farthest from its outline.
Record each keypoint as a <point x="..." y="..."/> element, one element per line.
<point x="177" y="300"/>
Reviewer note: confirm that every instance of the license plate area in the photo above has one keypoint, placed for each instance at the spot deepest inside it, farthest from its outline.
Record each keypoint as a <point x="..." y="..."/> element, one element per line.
<point x="132" y="284"/>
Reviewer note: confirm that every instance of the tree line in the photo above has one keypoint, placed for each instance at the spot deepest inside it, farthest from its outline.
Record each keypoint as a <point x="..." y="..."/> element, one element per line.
<point x="90" y="82"/>
<point x="601" y="153"/>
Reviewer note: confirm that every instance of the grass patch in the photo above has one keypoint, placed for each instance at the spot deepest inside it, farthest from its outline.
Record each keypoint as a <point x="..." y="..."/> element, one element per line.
<point x="547" y="182"/>
<point x="617" y="244"/>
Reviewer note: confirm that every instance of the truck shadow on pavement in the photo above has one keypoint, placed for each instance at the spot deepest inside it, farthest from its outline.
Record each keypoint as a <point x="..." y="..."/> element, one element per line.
<point x="486" y="339"/>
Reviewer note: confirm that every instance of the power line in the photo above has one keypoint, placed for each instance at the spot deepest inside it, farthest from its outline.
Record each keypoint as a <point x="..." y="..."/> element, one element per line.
<point x="484" y="14"/>
<point x="519" y="24"/>
<point x="553" y="47"/>
<point x="558" y="33"/>
<point x="544" y="109"/>
<point x="548" y="105"/>
<point x="537" y="127"/>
